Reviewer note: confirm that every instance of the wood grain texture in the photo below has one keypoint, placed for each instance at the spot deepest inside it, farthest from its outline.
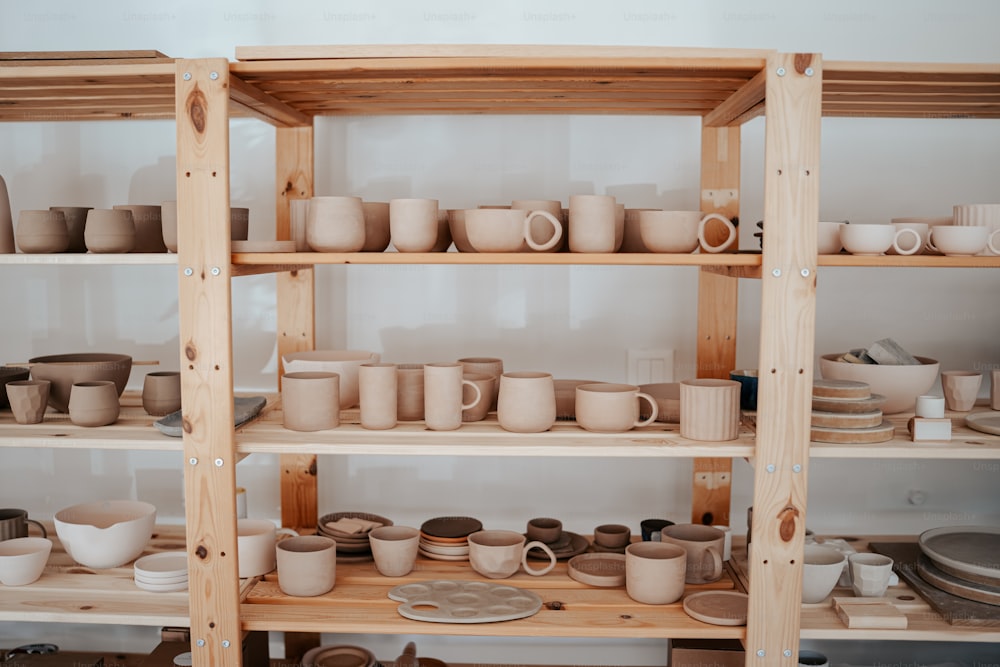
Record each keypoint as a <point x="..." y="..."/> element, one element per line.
<point x="206" y="356"/>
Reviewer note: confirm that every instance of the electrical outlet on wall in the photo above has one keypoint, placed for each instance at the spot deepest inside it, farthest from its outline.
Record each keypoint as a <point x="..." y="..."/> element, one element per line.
<point x="648" y="366"/>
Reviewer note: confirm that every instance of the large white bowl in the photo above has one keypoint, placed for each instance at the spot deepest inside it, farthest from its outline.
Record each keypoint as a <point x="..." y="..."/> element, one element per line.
<point x="105" y="533"/>
<point x="343" y="362"/>
<point x="899" y="384"/>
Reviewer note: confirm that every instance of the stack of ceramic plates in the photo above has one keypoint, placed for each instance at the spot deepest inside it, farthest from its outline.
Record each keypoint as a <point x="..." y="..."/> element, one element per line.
<point x="162" y="572"/>
<point x="566" y="546"/>
<point x="350" y="531"/>
<point x="963" y="561"/>
<point x="447" y="538"/>
<point x="339" y="656"/>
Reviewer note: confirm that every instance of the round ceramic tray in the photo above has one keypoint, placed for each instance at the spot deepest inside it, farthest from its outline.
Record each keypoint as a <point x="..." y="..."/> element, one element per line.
<point x="605" y="570"/>
<point x="984" y="422"/>
<point x="338" y="656"/>
<point x="454" y="527"/>
<point x="717" y="607"/>
<point x="446" y="601"/>
<point x="971" y="553"/>
<point x="950" y="584"/>
<point x="164" y="565"/>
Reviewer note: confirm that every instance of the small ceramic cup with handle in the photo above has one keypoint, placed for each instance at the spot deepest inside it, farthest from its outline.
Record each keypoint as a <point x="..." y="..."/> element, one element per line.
<point x="443" y="395"/>
<point x="510" y="230"/>
<point x="682" y="231"/>
<point x="964" y="240"/>
<point x="498" y="554"/>
<point x="607" y="407"/>
<point x="876" y="239"/>
<point x="704" y="546"/>
<point x="255" y="542"/>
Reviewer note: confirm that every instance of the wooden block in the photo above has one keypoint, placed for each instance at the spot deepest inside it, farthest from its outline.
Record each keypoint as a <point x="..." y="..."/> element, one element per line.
<point x="869" y="613"/>
<point x="826" y="388"/>
<point x="851" y="358"/>
<point x="890" y="353"/>
<point x="925" y="428"/>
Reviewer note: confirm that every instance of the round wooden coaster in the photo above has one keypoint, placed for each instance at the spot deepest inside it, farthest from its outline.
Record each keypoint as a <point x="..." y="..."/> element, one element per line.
<point x="602" y="570"/>
<point x="717" y="607"/>
<point x="853" y="436"/>
<point x="846" y="419"/>
<point x="826" y="388"/>
<point x="870" y="404"/>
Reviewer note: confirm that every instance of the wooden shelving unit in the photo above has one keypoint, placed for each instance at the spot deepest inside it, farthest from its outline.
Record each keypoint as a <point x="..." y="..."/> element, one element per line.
<point x="288" y="88"/>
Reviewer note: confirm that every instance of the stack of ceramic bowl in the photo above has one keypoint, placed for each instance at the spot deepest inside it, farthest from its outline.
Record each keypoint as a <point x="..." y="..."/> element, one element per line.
<point x="350" y="531"/>
<point x="162" y="572"/>
<point x="447" y="537"/>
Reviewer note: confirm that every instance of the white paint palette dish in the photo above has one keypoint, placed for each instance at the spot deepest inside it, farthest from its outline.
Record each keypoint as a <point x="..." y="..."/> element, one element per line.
<point x="448" y="601"/>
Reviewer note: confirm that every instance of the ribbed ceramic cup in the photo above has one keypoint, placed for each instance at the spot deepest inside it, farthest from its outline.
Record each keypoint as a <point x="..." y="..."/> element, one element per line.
<point x="310" y="400"/>
<point x="41" y="231"/>
<point x="94" y="403"/>
<point x="995" y="389"/>
<point x="979" y="215"/>
<point x="527" y="402"/>
<point x="710" y="409"/>
<point x="110" y="231"/>
<point x="335" y="224"/>
<point x="28" y="400"/>
<point x="870" y="574"/>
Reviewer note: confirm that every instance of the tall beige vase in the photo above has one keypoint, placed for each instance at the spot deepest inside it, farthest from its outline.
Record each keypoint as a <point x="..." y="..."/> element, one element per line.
<point x="6" y="221"/>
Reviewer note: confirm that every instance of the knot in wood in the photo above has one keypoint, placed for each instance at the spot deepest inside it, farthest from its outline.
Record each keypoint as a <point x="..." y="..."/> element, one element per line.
<point x="802" y="61"/>
<point x="554" y="606"/>
<point x="186" y="426"/>
<point x="787" y="519"/>
<point x="201" y="552"/>
<point x="190" y="352"/>
<point x="196" y="109"/>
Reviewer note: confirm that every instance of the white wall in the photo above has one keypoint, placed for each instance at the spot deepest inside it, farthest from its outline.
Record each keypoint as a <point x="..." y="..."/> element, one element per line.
<point x="572" y="321"/>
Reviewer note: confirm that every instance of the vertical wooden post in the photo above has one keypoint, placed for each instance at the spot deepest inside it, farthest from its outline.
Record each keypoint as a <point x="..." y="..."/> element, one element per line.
<point x="788" y="296"/>
<point x="717" y="313"/>
<point x="205" y="308"/>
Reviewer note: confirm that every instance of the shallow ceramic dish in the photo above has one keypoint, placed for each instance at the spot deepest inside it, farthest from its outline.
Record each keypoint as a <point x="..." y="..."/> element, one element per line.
<point x="105" y="533"/>
<point x="245" y="408"/>
<point x="338" y="656"/>
<point x="668" y="401"/>
<point x="984" y="422"/>
<point x="10" y="374"/>
<point x="453" y="527"/>
<point x="604" y="570"/>
<point x="162" y="565"/>
<point x="717" y="607"/>
<point x="899" y="384"/>
<point x="62" y="370"/>
<point x="971" y="553"/>
<point x="446" y="601"/>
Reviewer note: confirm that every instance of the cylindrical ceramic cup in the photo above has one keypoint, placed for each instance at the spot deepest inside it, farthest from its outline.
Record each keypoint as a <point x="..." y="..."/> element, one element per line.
<point x="310" y="400"/>
<point x="28" y="400"/>
<point x="94" y="403"/>
<point x="76" y="222"/>
<point x="255" y="542"/>
<point x="607" y="407"/>
<point x="239" y="223"/>
<point x="377" y="387"/>
<point x="497" y="554"/>
<point x="443" y="391"/>
<point x="592" y="223"/>
<point x="335" y="224"/>
<point x="394" y="549"/>
<point x="527" y="402"/>
<point x="161" y="393"/>
<point x="870" y="574"/>
<point x="410" y="392"/>
<point x="727" y="546"/>
<point x="651" y="529"/>
<point x="704" y="546"/>
<point x="654" y="572"/>
<point x="14" y="523"/>
<point x="710" y="409"/>
<point x="540" y="228"/>
<point x="931" y="407"/>
<point x="544" y="529"/>
<point x="148" y="221"/>
<point x="413" y="224"/>
<point x="307" y="565"/>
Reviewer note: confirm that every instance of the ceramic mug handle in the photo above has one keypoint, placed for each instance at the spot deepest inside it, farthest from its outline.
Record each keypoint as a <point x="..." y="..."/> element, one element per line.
<point x="548" y="552"/>
<point x="556" y="231"/>
<point x="991" y="240"/>
<point x="906" y="251"/>
<point x="45" y="533"/>
<point x="653" y="406"/>
<point x="475" y="401"/>
<point x="716" y="562"/>
<point x="729" y="237"/>
<point x="285" y="531"/>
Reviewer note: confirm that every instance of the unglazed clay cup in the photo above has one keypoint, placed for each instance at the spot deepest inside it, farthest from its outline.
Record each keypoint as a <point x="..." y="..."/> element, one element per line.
<point x="23" y="559"/>
<point x="377" y="386"/>
<point x="821" y="570"/>
<point x="654" y="572"/>
<point x="632" y="239"/>
<point x="41" y="231"/>
<point x="335" y="224"/>
<point x="443" y="395"/>
<point x="310" y="400"/>
<point x="94" y="403"/>
<point x="873" y="239"/>
<point x="161" y="393"/>
<point x="344" y="363"/>
<point x="307" y="565"/>
<point x="704" y="546"/>
<point x="256" y="540"/>
<point x="870" y="574"/>
<point x="979" y="215"/>
<point x="498" y="554"/>
<point x="964" y="240"/>
<point x="612" y="535"/>
<point x="544" y="529"/>
<point x="540" y="228"/>
<point x="710" y="409"/>
<point x="76" y="222"/>
<point x="298" y="214"/>
<point x="148" y="221"/>
<point x="593" y="223"/>
<point x="376" y="226"/>
<point x="828" y="238"/>
<point x="28" y="400"/>
<point x="168" y="224"/>
<point x="606" y="407"/>
<point x="483" y="384"/>
<point x="110" y="231"/>
<point x="409" y="392"/>
<point x="922" y="229"/>
<point x="413" y="224"/>
<point x="510" y="230"/>
<point x="456" y="227"/>
<point x="960" y="389"/>
<point x="394" y="549"/>
<point x="490" y="365"/>
<point x="14" y="523"/>
<point x="682" y="231"/>
<point x="527" y="402"/>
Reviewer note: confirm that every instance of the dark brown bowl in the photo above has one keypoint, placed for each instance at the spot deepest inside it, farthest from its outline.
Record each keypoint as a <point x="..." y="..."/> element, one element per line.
<point x="62" y="370"/>
<point x="10" y="374"/>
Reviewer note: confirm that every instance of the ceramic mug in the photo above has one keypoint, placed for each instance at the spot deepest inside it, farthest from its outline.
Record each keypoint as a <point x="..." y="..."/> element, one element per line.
<point x="960" y="389"/>
<point x="14" y="523"/>
<point x="497" y="554"/>
<point x="710" y="409"/>
<point x="42" y="231"/>
<point x="540" y="228"/>
<point x="409" y="392"/>
<point x="654" y="572"/>
<point x="527" y="402"/>
<point x="821" y="570"/>
<point x="377" y="388"/>
<point x="256" y="540"/>
<point x="509" y="230"/>
<point x="607" y="407"/>
<point x="490" y="365"/>
<point x="870" y="574"/>
<point x="394" y="549"/>
<point x="110" y="231"/>
<point x="876" y="239"/>
<point x="28" y="400"/>
<point x="964" y="240"/>
<point x="443" y="396"/>
<point x="76" y="222"/>
<point x="923" y="231"/>
<point x="335" y="224"/>
<point x="413" y="224"/>
<point x="704" y="546"/>
<point x="310" y="400"/>
<point x="593" y="223"/>
<point x="376" y="226"/>
<point x="161" y="393"/>
<point x="682" y="231"/>
<point x="94" y="403"/>
<point x="307" y="565"/>
<point x="483" y="384"/>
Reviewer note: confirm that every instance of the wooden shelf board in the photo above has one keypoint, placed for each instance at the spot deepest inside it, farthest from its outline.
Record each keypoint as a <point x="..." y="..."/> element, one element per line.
<point x="89" y="259"/>
<point x="359" y="603"/>
<point x="913" y="261"/>
<point x="485" y="438"/>
<point x="820" y="620"/>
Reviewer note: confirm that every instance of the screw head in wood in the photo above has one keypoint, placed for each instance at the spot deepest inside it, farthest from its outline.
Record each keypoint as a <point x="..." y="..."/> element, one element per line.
<point x="781" y="71"/>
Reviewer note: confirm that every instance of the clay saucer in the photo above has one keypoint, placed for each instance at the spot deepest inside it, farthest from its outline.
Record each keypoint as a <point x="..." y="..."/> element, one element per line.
<point x="601" y="549"/>
<point x="444" y="541"/>
<point x="717" y="607"/>
<point x="338" y="656"/>
<point x="564" y="542"/>
<point x="336" y="516"/>
<point x="602" y="570"/>
<point x="445" y="557"/>
<point x="451" y="527"/>
<point x="577" y="545"/>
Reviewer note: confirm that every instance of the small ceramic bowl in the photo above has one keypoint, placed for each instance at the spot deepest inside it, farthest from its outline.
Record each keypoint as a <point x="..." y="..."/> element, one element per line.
<point x="105" y="533"/>
<point x="22" y="560"/>
<point x="612" y="535"/>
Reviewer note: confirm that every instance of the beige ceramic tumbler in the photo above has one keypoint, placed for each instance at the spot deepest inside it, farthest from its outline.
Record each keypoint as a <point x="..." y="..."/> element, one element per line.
<point x="161" y="393"/>
<point x="310" y="400"/>
<point x="443" y="393"/>
<point x="710" y="409"/>
<point x="335" y="224"/>
<point x="28" y="400"/>
<point x="394" y="549"/>
<point x="307" y="565"/>
<point x="593" y="223"/>
<point x="413" y="224"/>
<point x="527" y="402"/>
<point x="654" y="572"/>
<point x="960" y="389"/>
<point x="377" y="387"/>
<point x="94" y="403"/>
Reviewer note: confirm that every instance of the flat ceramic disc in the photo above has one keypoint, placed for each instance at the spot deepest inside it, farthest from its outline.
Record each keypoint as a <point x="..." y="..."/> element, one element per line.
<point x="717" y="607"/>
<point x="451" y="526"/>
<point x="826" y="388"/>
<point x="598" y="569"/>
<point x="847" y="419"/>
<point x="870" y="404"/>
<point x="853" y="436"/>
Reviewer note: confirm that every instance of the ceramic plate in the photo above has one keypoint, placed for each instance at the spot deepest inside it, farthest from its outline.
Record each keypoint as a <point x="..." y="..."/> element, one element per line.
<point x="163" y="565"/>
<point x="578" y="544"/>
<point x="984" y="422"/>
<point x="444" y="557"/>
<point x="245" y="408"/>
<point x="451" y="526"/>
<point x="338" y="656"/>
<point x="971" y="553"/>
<point x="950" y="584"/>
<point x="445" y="601"/>
<point x="444" y="550"/>
<point x="717" y="607"/>
<point x="603" y="570"/>
<point x="161" y="588"/>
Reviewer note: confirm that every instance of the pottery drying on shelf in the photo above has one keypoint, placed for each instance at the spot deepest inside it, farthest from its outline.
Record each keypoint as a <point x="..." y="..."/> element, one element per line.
<point x="6" y="221"/>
